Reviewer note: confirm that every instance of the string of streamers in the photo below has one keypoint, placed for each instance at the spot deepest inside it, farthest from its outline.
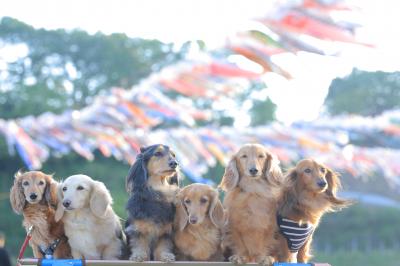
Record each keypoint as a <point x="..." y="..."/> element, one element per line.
<point x="331" y="140"/>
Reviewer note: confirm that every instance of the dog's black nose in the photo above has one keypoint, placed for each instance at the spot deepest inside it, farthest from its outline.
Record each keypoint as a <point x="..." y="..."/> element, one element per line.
<point x="173" y="164"/>
<point x="321" y="183"/>
<point x="66" y="203"/>
<point x="253" y="171"/>
<point x="33" y="196"/>
<point x="193" y="220"/>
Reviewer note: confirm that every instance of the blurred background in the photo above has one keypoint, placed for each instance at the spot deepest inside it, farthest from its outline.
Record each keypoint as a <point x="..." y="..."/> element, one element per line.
<point x="84" y="84"/>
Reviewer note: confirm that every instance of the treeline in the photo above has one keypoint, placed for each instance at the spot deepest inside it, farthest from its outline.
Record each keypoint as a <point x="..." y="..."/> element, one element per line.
<point x="59" y="69"/>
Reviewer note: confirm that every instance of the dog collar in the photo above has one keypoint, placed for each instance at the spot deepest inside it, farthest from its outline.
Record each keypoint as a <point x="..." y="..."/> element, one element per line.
<point x="296" y="235"/>
<point x="48" y="251"/>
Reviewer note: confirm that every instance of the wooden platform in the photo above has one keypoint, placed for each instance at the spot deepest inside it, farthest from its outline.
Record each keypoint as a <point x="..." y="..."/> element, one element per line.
<point x="34" y="262"/>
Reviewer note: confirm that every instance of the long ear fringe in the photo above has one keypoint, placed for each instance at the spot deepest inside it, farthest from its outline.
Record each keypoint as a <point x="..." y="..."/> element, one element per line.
<point x="100" y="199"/>
<point x="333" y="185"/>
<point x="231" y="176"/>
<point x="289" y="197"/>
<point x="273" y="172"/>
<point x="217" y="212"/>
<point x="60" y="208"/>
<point x="137" y="176"/>
<point x="17" y="197"/>
<point x="51" y="191"/>
<point x="181" y="216"/>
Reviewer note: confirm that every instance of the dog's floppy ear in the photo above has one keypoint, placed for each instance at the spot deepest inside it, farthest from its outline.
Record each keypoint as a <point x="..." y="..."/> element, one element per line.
<point x="333" y="185"/>
<point x="137" y="176"/>
<point x="231" y="176"/>
<point x="60" y="207"/>
<point x="272" y="171"/>
<point x="333" y="182"/>
<point x="290" y="196"/>
<point x="216" y="212"/>
<point x="17" y="197"/>
<point x="181" y="216"/>
<point x="50" y="193"/>
<point x="291" y="175"/>
<point x="100" y="199"/>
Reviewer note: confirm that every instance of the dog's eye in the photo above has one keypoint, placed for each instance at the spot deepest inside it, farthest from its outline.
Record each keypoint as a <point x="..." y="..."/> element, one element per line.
<point x="79" y="188"/>
<point x="323" y="170"/>
<point x="158" y="154"/>
<point x="64" y="189"/>
<point x="25" y="183"/>
<point x="203" y="200"/>
<point x="307" y="170"/>
<point x="187" y="201"/>
<point x="261" y="156"/>
<point x="243" y="156"/>
<point x="41" y="183"/>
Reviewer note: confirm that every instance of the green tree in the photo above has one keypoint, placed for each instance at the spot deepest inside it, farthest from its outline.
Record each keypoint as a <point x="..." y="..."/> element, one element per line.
<point x="364" y="93"/>
<point x="66" y="69"/>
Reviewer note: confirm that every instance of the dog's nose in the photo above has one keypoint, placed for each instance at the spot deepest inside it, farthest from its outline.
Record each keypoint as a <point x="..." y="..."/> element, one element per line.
<point x="253" y="171"/>
<point x="33" y="196"/>
<point x="173" y="164"/>
<point x="193" y="220"/>
<point x="321" y="183"/>
<point x="66" y="203"/>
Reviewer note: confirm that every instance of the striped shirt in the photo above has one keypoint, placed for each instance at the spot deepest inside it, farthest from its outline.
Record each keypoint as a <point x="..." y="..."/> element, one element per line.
<point x="296" y="235"/>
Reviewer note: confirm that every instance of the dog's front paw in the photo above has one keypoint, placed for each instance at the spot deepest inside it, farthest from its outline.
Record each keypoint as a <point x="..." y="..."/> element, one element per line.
<point x="236" y="259"/>
<point x="138" y="257"/>
<point x="265" y="261"/>
<point x="167" y="257"/>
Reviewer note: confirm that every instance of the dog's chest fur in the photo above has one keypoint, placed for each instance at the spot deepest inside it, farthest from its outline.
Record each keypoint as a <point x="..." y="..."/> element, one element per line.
<point x="198" y="242"/>
<point x="250" y="210"/>
<point x="86" y="231"/>
<point x="152" y="205"/>
<point x="39" y="216"/>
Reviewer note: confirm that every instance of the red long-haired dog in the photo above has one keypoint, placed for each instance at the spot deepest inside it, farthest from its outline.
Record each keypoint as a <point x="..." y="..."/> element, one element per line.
<point x="309" y="192"/>
<point x="198" y="223"/>
<point x="34" y="195"/>
<point x="252" y="182"/>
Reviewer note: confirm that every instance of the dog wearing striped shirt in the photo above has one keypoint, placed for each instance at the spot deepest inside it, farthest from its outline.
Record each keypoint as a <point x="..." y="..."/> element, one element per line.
<point x="309" y="192"/>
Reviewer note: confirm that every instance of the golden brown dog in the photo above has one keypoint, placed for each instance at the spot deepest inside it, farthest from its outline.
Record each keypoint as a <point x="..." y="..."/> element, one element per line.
<point x="252" y="182"/>
<point x="34" y="194"/>
<point x="152" y="184"/>
<point x="309" y="192"/>
<point x="198" y="222"/>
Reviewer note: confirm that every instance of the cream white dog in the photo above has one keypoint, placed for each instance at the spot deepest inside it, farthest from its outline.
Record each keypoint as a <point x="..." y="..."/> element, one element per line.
<point x="93" y="229"/>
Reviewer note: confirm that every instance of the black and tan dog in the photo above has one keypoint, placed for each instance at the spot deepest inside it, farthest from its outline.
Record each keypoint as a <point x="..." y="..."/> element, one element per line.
<point x="152" y="184"/>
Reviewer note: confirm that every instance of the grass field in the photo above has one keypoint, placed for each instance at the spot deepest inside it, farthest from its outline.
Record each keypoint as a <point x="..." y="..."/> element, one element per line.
<point x="373" y="258"/>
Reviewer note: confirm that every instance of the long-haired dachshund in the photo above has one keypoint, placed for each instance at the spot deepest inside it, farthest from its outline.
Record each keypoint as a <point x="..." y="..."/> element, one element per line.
<point x="252" y="182"/>
<point x="309" y="192"/>
<point x="34" y="194"/>
<point x="152" y="184"/>
<point x="93" y="229"/>
<point x="198" y="223"/>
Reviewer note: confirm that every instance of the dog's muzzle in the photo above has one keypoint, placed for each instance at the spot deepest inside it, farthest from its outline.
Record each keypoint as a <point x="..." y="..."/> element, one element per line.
<point x="173" y="164"/>
<point x="67" y="203"/>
